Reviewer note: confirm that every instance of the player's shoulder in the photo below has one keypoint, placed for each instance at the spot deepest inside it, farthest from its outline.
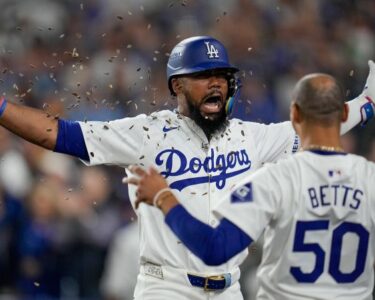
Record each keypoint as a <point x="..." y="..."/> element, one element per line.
<point x="162" y="115"/>
<point x="234" y="122"/>
<point x="153" y="118"/>
<point x="257" y="126"/>
<point x="281" y="169"/>
<point x="361" y="163"/>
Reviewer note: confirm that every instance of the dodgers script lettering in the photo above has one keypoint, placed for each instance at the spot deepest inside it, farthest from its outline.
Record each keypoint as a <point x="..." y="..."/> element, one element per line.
<point x="219" y="167"/>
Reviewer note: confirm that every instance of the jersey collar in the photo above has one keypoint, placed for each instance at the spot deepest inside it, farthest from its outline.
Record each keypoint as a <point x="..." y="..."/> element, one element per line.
<point x="324" y="152"/>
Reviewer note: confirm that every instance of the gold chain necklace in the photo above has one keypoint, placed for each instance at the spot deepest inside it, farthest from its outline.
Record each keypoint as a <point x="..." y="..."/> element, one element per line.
<point x="323" y="148"/>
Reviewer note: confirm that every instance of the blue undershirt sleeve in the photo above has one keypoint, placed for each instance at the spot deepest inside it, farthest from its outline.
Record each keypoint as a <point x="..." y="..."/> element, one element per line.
<point x="70" y="140"/>
<point x="214" y="246"/>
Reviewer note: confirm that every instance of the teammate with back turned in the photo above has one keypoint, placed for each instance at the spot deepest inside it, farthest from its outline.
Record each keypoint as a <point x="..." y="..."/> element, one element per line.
<point x="316" y="208"/>
<point x="197" y="148"/>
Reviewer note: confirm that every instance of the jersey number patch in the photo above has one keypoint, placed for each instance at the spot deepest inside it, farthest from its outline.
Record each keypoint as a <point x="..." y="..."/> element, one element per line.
<point x="302" y="227"/>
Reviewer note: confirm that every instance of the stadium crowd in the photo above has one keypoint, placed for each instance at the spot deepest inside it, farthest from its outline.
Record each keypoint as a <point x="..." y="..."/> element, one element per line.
<point x="62" y="225"/>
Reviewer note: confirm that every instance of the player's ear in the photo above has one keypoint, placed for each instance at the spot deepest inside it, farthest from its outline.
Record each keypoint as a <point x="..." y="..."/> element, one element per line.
<point x="295" y="113"/>
<point x="176" y="85"/>
<point x="295" y="116"/>
<point x="345" y="113"/>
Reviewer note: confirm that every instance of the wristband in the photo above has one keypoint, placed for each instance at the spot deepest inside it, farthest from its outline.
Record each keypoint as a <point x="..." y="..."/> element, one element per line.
<point x="3" y="104"/>
<point x="367" y="111"/>
<point x="158" y="194"/>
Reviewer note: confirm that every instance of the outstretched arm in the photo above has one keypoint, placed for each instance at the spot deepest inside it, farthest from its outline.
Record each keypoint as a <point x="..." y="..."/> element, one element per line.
<point x="214" y="246"/>
<point x="33" y="125"/>
<point x="42" y="129"/>
<point x="361" y="109"/>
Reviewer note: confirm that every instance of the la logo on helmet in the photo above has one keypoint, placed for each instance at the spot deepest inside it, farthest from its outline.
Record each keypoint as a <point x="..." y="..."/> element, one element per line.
<point x="212" y="52"/>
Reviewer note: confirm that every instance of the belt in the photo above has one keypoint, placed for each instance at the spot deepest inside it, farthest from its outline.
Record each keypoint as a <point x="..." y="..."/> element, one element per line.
<point x="211" y="283"/>
<point x="208" y="283"/>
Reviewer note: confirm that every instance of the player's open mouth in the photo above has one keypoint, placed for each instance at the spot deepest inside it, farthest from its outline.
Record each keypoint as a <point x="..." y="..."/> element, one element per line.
<point x="212" y="104"/>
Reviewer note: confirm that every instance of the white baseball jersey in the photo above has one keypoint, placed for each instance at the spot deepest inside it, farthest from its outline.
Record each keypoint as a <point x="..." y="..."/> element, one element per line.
<point x="317" y="212"/>
<point x="199" y="171"/>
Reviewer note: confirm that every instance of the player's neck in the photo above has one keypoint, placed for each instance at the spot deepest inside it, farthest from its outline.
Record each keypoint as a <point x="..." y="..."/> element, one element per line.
<point x="323" y="138"/>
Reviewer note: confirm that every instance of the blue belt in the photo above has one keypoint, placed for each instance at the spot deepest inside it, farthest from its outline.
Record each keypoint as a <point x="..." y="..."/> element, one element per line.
<point x="211" y="283"/>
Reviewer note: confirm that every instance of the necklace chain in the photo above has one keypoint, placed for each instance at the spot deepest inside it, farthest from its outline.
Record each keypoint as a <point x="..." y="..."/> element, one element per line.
<point x="323" y="148"/>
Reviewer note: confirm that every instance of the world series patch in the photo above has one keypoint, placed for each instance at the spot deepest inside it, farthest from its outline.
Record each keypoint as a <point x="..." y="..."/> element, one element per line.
<point x="242" y="194"/>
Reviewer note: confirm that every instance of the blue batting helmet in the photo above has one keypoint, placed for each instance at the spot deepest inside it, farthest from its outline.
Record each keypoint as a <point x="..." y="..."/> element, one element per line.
<point x="199" y="54"/>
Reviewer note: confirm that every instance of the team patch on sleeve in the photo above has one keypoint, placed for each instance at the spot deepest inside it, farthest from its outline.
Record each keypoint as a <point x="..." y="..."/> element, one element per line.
<point x="242" y="194"/>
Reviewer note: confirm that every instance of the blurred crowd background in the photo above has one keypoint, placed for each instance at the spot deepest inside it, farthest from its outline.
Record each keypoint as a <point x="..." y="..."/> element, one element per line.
<point x="68" y="231"/>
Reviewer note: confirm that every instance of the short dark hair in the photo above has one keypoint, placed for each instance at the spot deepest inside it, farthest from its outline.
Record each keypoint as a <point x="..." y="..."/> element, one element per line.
<point x="320" y="98"/>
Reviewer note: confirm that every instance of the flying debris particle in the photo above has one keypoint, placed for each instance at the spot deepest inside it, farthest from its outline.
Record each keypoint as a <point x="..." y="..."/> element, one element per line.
<point x="148" y="26"/>
<point x="249" y="49"/>
<point x="18" y="28"/>
<point x="129" y="46"/>
<point x="131" y="127"/>
<point x="81" y="6"/>
<point x="5" y="70"/>
<point x="120" y="18"/>
<point x="351" y="73"/>
<point x="142" y="157"/>
<point x="105" y="127"/>
<point x="183" y="3"/>
<point x="36" y="283"/>
<point x="145" y="128"/>
<point x="130" y="13"/>
<point x="139" y="69"/>
<point x="242" y="132"/>
<point x="62" y="35"/>
<point x="112" y="58"/>
<point x="224" y="13"/>
<point x="49" y="129"/>
<point x="92" y="154"/>
<point x="76" y="95"/>
<point x="75" y="53"/>
<point x="70" y="190"/>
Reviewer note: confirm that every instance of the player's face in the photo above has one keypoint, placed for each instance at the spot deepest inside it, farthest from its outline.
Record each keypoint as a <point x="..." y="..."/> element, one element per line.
<point x="204" y="92"/>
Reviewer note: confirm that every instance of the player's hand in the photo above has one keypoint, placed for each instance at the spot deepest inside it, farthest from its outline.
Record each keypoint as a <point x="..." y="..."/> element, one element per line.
<point x="369" y="89"/>
<point x="149" y="183"/>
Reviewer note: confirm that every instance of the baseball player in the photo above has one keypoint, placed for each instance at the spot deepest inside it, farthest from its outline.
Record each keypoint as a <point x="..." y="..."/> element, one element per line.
<point x="316" y="208"/>
<point x="197" y="148"/>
